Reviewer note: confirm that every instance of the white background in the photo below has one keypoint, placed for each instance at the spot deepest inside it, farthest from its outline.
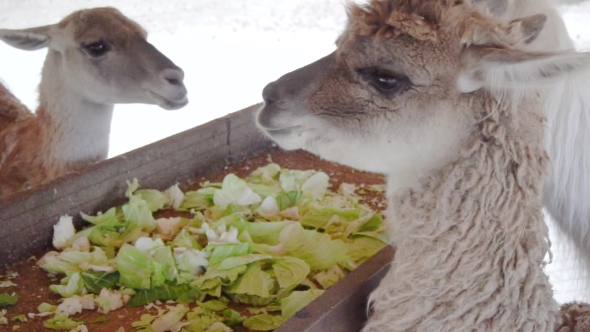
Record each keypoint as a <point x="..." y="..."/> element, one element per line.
<point x="229" y="51"/>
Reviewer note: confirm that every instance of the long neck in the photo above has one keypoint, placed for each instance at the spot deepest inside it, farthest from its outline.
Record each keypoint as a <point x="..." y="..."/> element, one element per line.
<point x="470" y="239"/>
<point x="75" y="131"/>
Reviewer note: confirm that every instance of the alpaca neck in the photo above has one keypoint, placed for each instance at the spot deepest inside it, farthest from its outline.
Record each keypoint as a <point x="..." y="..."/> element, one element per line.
<point x="74" y="130"/>
<point x="470" y="240"/>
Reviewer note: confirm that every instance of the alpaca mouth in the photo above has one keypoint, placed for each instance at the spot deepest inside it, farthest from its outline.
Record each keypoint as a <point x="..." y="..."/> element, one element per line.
<point x="282" y="131"/>
<point x="168" y="104"/>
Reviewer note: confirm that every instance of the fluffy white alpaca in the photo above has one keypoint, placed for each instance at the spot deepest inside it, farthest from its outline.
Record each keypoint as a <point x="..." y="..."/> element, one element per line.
<point x="444" y="100"/>
<point x="566" y="104"/>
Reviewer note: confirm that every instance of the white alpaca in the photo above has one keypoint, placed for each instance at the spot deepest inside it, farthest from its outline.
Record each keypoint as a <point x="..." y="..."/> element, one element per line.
<point x="566" y="105"/>
<point x="442" y="99"/>
<point x="96" y="58"/>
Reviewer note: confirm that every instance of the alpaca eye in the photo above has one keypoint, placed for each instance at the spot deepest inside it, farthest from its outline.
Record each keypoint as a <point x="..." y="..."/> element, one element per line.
<point x="386" y="83"/>
<point x="96" y="49"/>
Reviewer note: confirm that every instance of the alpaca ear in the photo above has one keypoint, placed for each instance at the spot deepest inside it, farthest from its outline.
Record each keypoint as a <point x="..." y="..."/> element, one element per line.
<point x="495" y="68"/>
<point x="27" y="39"/>
<point x="530" y="26"/>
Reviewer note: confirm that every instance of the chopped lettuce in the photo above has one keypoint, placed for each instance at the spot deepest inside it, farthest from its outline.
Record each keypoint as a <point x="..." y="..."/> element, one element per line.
<point x="60" y="322"/>
<point x="197" y="200"/>
<point x="213" y="305"/>
<point x="255" y="241"/>
<point x="329" y="277"/>
<point x="72" y="261"/>
<point x="164" y="293"/>
<point x="155" y="199"/>
<point x="70" y="286"/>
<point x="316" y="185"/>
<point x="235" y="191"/>
<point x="255" y="282"/>
<point x="8" y="299"/>
<point x="96" y="281"/>
<point x="19" y="318"/>
<point x="137" y="269"/>
<point x="290" y="271"/>
<point x="263" y="322"/>
<point x="297" y="301"/>
<point x="316" y="249"/>
<point x="169" y="319"/>
<point x="363" y="247"/>
<point x="232" y="317"/>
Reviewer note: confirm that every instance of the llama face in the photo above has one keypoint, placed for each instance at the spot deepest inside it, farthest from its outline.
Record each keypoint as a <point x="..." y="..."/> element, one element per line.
<point x="106" y="59"/>
<point x="385" y="105"/>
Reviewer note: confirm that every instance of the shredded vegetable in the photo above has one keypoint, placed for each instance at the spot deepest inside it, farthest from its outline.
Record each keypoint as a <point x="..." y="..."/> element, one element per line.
<point x="271" y="242"/>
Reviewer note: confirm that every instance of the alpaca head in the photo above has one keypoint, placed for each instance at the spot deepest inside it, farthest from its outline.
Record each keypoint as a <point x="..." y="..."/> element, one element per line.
<point x="405" y="86"/>
<point x="106" y="59"/>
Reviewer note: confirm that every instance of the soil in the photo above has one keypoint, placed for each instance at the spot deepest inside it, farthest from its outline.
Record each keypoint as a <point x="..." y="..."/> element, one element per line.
<point x="33" y="283"/>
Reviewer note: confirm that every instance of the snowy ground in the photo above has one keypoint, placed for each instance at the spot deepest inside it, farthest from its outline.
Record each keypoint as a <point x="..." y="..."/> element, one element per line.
<point x="229" y="51"/>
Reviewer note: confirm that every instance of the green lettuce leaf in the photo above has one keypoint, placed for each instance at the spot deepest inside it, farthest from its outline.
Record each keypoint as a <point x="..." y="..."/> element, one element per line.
<point x="316" y="249"/>
<point x="254" y="282"/>
<point x="211" y="282"/>
<point x="363" y="247"/>
<point x="138" y="270"/>
<point x="197" y="200"/>
<point x="286" y="200"/>
<point x="70" y="286"/>
<point x="163" y="293"/>
<point x="108" y="217"/>
<point x="329" y="277"/>
<point x="235" y="191"/>
<point x="72" y="261"/>
<point x="185" y="240"/>
<point x="266" y="174"/>
<point x="213" y="305"/>
<point x="297" y="301"/>
<point x="232" y="317"/>
<point x="8" y="299"/>
<point x="315" y="186"/>
<point x="232" y="262"/>
<point x="96" y="281"/>
<point x="318" y="216"/>
<point x="155" y="199"/>
<point x="223" y="251"/>
<point x="190" y="263"/>
<point x="169" y="319"/>
<point x="290" y="271"/>
<point x="60" y="322"/>
<point x="263" y="322"/>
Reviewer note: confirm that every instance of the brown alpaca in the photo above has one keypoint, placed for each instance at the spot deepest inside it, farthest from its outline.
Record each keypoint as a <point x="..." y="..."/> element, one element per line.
<point x="96" y="58"/>
<point x="442" y="99"/>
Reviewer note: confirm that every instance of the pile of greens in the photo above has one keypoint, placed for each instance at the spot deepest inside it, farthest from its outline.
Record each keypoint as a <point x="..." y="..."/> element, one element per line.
<point x="269" y="244"/>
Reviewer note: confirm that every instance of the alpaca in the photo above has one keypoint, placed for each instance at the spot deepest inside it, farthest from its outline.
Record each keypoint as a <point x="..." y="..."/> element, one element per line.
<point x="566" y="106"/>
<point x="442" y="98"/>
<point x="96" y="58"/>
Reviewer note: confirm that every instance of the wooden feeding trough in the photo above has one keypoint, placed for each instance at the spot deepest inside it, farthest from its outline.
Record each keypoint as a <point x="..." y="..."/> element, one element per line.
<point x="27" y="219"/>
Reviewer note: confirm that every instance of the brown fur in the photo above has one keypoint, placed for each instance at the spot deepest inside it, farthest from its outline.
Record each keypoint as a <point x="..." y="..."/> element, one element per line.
<point x="78" y="90"/>
<point x="25" y="144"/>
<point x="576" y="318"/>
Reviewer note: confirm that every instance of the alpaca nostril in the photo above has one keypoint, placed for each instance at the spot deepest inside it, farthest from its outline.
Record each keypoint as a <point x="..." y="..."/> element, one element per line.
<point x="174" y="76"/>
<point x="270" y="94"/>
